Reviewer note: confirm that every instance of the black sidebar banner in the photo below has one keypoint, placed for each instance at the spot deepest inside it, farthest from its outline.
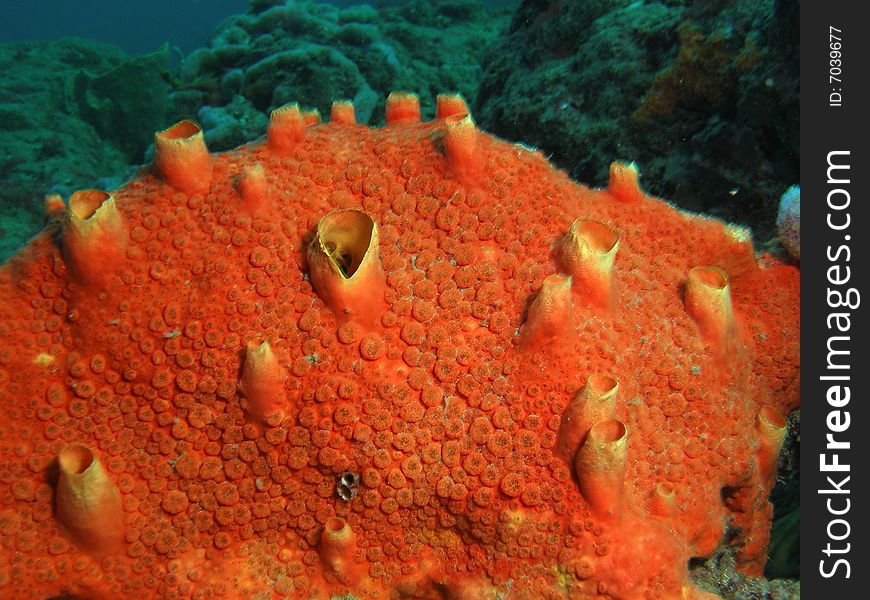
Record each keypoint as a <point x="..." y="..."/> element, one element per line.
<point x="835" y="343"/>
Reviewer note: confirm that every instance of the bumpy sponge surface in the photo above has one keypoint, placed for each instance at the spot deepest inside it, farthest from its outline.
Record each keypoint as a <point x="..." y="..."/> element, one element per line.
<point x="457" y="399"/>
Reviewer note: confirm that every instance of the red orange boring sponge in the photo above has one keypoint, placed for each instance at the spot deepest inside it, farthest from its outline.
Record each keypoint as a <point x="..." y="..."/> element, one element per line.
<point x="409" y="362"/>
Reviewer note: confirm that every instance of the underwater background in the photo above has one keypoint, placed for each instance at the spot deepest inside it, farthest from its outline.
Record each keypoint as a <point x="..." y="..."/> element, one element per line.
<point x="703" y="96"/>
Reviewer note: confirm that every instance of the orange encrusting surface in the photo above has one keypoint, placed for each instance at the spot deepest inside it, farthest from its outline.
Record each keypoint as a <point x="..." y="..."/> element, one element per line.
<point x="450" y="420"/>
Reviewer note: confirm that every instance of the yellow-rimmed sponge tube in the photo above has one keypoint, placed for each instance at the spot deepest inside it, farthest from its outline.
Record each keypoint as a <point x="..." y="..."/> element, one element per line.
<point x="587" y="253"/>
<point x="450" y="104"/>
<point x="286" y="128"/>
<point x="182" y="158"/>
<point x="88" y="503"/>
<point x="345" y="265"/>
<point x="623" y="184"/>
<point x="549" y="314"/>
<point x="708" y="302"/>
<point x="342" y="113"/>
<point x="663" y="500"/>
<point x="254" y="188"/>
<point x="600" y="467"/>
<point x="337" y="551"/>
<point x="311" y="117"/>
<point x="770" y="426"/>
<point x="595" y="402"/>
<point x="402" y="107"/>
<point x="461" y="147"/>
<point x="94" y="237"/>
<point x="262" y="383"/>
<point x="54" y="205"/>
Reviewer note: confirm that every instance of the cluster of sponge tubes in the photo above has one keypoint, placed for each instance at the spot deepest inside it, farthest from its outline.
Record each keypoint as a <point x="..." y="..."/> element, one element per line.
<point x="346" y="273"/>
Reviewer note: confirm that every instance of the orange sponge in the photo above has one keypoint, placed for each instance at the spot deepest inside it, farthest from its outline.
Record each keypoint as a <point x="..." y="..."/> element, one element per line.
<point x="482" y="380"/>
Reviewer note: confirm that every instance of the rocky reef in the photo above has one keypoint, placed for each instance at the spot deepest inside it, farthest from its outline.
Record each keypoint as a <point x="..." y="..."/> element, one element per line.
<point x="704" y="96"/>
<point x="91" y="122"/>
<point x="312" y="53"/>
<point x="71" y="113"/>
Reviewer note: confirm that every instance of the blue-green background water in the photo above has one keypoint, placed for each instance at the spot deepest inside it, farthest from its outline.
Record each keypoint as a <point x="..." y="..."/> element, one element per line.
<point x="135" y="27"/>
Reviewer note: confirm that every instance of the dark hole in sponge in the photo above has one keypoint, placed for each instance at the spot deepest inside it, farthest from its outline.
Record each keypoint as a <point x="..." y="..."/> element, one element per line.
<point x="345" y="237"/>
<point x="344" y="262"/>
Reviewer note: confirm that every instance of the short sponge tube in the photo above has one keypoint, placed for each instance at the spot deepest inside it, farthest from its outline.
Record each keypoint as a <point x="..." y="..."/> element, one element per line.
<point x="337" y="551"/>
<point x="402" y="107"/>
<point x="663" y="500"/>
<point x="623" y="185"/>
<point x="262" y="382"/>
<point x="286" y="128"/>
<point x="342" y="113"/>
<point x="254" y="188"/>
<point x="771" y="427"/>
<point x="450" y="104"/>
<point x="549" y="314"/>
<point x="88" y="503"/>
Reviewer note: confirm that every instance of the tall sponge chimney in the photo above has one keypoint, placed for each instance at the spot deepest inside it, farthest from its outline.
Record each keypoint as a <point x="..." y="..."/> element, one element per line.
<point x="345" y="265"/>
<point x="708" y="302"/>
<point x="600" y="467"/>
<point x="588" y="253"/>
<point x="88" y="501"/>
<point x="461" y="146"/>
<point x="94" y="237"/>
